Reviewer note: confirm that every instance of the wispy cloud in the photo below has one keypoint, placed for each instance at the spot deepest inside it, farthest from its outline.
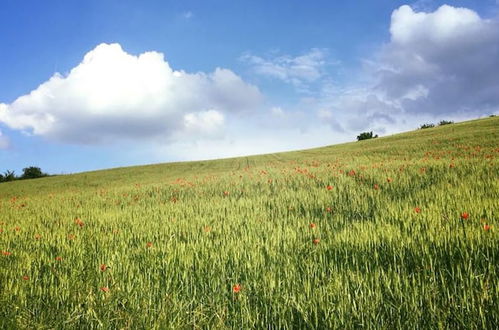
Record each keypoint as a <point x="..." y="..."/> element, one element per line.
<point x="299" y="70"/>
<point x="4" y="141"/>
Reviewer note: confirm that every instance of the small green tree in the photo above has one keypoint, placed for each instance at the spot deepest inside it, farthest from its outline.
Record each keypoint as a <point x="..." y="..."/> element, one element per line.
<point x="426" y="126"/>
<point x="366" y="136"/>
<point x="32" y="172"/>
<point x="9" y="176"/>
<point x="445" y="122"/>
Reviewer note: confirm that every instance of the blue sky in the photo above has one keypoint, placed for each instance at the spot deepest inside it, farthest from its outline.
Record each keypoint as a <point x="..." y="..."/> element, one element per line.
<point x="229" y="78"/>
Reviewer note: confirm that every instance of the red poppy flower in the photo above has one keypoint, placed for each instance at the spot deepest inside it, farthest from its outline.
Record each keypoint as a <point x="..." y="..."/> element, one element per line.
<point x="312" y="225"/>
<point x="486" y="227"/>
<point x="465" y="215"/>
<point x="6" y="253"/>
<point x="58" y="258"/>
<point x="103" y="267"/>
<point x="316" y="241"/>
<point x="236" y="288"/>
<point x="389" y="179"/>
<point x="329" y="187"/>
<point x="79" y="222"/>
<point x="417" y="210"/>
<point x="226" y="193"/>
<point x="376" y="187"/>
<point x="149" y="244"/>
<point x="329" y="209"/>
<point x="105" y="289"/>
<point x="25" y="277"/>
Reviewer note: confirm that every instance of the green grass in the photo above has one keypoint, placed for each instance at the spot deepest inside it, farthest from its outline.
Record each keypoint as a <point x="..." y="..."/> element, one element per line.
<point x="247" y="221"/>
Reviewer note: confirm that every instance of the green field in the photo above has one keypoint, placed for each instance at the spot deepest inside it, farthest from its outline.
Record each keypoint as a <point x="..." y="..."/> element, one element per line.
<point x="395" y="232"/>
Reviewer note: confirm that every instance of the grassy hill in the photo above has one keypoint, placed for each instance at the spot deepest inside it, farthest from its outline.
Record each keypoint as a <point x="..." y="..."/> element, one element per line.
<point x="398" y="231"/>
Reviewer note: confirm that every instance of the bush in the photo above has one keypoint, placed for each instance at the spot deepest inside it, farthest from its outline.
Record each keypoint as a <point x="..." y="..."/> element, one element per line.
<point x="366" y="136"/>
<point x="445" y="122"/>
<point x="427" y="126"/>
<point x="32" y="172"/>
<point x="8" y="176"/>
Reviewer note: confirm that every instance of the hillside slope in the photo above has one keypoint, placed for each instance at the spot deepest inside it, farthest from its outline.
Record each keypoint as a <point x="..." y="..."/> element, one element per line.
<point x="411" y="146"/>
<point x="395" y="232"/>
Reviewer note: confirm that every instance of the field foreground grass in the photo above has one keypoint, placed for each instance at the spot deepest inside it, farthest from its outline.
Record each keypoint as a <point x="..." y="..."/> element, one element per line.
<point x="395" y="232"/>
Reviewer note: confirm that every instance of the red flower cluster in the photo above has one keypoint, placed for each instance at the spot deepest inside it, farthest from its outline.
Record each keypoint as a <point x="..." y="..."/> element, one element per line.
<point x="236" y="288"/>
<point x="465" y="215"/>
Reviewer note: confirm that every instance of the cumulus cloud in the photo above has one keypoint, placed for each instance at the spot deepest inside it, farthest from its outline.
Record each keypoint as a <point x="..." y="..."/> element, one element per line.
<point x="297" y="70"/>
<point x="206" y="123"/>
<point x="437" y="65"/>
<point x="442" y="62"/>
<point x="112" y="94"/>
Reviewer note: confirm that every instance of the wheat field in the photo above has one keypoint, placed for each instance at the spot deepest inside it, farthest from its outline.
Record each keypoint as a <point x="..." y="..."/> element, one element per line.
<point x="393" y="232"/>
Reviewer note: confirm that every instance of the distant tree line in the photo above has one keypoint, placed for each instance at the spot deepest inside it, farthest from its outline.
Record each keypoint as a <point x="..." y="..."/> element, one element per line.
<point x="441" y="123"/>
<point x="370" y="135"/>
<point x="31" y="172"/>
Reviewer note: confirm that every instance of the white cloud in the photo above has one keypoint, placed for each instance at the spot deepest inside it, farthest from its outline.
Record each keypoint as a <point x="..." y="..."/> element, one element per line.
<point x="297" y="70"/>
<point x="438" y="65"/>
<point x="205" y="122"/>
<point x="4" y="141"/>
<point x="446" y="61"/>
<point x="277" y="112"/>
<point x="112" y="94"/>
<point x="250" y="139"/>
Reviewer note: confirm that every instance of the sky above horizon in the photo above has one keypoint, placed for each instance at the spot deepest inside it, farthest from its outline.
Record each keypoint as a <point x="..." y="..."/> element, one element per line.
<point x="99" y="84"/>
